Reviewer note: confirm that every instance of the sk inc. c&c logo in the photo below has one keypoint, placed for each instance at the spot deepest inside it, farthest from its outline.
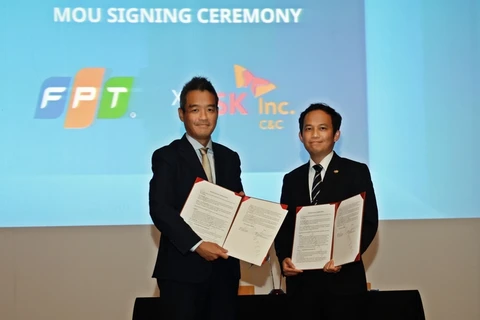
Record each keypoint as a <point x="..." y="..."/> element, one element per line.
<point x="84" y="97"/>
<point x="244" y="78"/>
<point x="269" y="109"/>
<point x="231" y="103"/>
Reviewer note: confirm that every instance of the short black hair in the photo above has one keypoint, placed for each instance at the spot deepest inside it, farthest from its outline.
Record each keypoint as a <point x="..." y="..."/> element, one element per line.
<point x="197" y="83"/>
<point x="336" y="117"/>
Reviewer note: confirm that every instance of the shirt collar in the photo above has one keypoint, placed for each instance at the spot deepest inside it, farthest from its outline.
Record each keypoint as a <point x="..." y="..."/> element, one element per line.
<point x="324" y="163"/>
<point x="197" y="145"/>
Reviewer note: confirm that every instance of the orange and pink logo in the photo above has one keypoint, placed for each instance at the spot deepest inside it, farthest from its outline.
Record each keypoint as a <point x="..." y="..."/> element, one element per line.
<point x="244" y="78"/>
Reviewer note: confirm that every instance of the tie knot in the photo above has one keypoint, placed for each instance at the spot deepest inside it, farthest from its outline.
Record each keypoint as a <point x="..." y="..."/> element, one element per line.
<point x="318" y="168"/>
<point x="203" y="151"/>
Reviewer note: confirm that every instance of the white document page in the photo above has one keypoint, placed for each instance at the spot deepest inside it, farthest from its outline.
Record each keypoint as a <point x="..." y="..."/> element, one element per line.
<point x="210" y="210"/>
<point x="254" y="230"/>
<point x="312" y="242"/>
<point x="348" y="230"/>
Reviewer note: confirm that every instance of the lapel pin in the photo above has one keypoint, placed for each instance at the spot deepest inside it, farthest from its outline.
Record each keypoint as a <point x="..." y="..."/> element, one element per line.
<point x="335" y="171"/>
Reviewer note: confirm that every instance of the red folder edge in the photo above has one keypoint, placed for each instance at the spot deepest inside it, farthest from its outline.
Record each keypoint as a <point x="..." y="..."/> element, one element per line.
<point x="198" y="179"/>
<point x="337" y="204"/>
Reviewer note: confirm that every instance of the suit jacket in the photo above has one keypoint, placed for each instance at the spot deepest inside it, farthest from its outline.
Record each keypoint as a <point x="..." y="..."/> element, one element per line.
<point x="175" y="168"/>
<point x="344" y="178"/>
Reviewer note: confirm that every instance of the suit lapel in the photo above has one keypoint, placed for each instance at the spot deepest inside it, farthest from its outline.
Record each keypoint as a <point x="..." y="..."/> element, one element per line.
<point x="191" y="158"/>
<point x="220" y="166"/>
<point x="304" y="188"/>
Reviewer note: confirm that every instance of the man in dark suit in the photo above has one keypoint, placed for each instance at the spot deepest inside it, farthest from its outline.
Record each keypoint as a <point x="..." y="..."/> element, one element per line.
<point x="340" y="178"/>
<point x="197" y="279"/>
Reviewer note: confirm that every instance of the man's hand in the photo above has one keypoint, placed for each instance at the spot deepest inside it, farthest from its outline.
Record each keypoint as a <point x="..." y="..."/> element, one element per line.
<point x="211" y="251"/>
<point x="289" y="268"/>
<point x="330" y="267"/>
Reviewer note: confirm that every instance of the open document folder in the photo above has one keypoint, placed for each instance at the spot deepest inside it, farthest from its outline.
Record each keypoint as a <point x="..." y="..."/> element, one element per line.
<point x="328" y="231"/>
<point x="245" y="226"/>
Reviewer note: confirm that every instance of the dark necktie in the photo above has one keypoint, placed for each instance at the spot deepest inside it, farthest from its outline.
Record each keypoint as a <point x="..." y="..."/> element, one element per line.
<point x="317" y="182"/>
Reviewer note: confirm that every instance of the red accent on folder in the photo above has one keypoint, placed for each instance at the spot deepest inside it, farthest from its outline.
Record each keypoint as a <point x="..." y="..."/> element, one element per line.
<point x="357" y="258"/>
<point x="245" y="198"/>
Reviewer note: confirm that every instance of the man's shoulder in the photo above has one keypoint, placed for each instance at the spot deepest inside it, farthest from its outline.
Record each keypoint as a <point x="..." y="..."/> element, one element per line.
<point x="167" y="150"/>
<point x="352" y="165"/>
<point x="351" y="162"/>
<point x="217" y="147"/>
<point x="298" y="171"/>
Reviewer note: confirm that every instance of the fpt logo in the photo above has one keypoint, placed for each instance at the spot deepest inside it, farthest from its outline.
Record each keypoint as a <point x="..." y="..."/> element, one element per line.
<point x="84" y="97"/>
<point x="233" y="102"/>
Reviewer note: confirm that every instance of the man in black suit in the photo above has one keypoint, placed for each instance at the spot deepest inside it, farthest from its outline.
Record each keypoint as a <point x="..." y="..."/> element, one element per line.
<point x="197" y="279"/>
<point x="341" y="178"/>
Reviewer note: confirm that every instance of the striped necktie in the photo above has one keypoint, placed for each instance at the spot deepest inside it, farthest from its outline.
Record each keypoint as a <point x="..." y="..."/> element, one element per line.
<point x="317" y="182"/>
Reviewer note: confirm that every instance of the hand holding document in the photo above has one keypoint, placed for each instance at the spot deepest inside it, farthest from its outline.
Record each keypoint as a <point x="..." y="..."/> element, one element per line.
<point x="328" y="231"/>
<point x="245" y="226"/>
